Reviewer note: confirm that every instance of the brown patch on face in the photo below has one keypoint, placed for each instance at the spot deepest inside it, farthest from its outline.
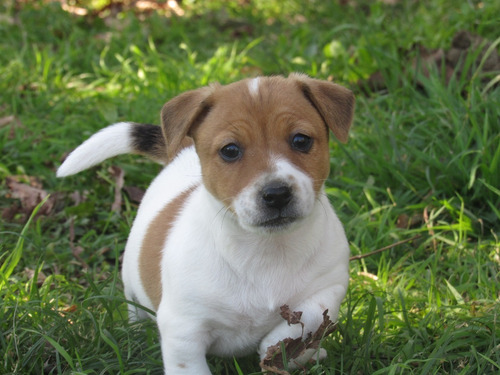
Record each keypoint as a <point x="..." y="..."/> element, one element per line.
<point x="262" y="125"/>
<point x="152" y="246"/>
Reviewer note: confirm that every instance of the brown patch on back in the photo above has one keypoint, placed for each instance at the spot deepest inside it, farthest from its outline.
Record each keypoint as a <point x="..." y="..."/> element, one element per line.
<point x="153" y="243"/>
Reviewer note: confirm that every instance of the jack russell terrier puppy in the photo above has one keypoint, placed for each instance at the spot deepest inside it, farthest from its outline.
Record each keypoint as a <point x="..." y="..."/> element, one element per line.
<point x="237" y="224"/>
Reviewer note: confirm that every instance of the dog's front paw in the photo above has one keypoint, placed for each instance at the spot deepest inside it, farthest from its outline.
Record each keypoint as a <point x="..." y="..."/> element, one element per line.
<point x="292" y="353"/>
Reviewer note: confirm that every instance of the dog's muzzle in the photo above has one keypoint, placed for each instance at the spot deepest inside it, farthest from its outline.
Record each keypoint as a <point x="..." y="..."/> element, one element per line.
<point x="276" y="200"/>
<point x="277" y="207"/>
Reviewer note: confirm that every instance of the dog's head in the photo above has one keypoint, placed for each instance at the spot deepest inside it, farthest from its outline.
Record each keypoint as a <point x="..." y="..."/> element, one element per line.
<point x="262" y="143"/>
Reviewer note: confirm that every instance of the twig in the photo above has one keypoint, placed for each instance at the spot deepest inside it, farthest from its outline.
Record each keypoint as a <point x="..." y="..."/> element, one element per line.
<point x="361" y="256"/>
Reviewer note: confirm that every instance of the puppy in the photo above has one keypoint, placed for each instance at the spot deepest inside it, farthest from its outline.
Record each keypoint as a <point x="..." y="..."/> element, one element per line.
<point x="237" y="224"/>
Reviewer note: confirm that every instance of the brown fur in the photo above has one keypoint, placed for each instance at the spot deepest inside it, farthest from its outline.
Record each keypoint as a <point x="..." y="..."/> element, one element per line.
<point x="154" y="241"/>
<point x="263" y="126"/>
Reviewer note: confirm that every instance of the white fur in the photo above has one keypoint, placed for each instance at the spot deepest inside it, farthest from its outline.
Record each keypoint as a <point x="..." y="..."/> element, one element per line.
<point x="111" y="141"/>
<point x="253" y="86"/>
<point x="223" y="285"/>
<point x="246" y="205"/>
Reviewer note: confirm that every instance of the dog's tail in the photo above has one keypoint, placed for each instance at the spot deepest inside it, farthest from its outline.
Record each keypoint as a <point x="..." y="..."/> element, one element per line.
<point x="117" y="139"/>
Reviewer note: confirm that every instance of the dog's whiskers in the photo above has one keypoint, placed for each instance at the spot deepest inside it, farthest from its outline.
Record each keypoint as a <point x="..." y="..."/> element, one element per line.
<point x="224" y="209"/>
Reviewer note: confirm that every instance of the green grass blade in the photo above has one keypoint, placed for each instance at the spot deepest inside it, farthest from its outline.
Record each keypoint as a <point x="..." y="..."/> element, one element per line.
<point x="15" y="256"/>
<point x="108" y="339"/>
<point x="238" y="369"/>
<point x="58" y="347"/>
<point x="455" y="293"/>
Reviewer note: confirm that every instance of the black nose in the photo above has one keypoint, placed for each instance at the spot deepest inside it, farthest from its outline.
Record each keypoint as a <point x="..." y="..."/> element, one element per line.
<point x="276" y="196"/>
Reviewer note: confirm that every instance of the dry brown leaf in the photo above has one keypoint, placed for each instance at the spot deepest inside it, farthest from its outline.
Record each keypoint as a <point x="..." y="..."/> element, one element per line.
<point x="31" y="274"/>
<point x="6" y="120"/>
<point x="30" y="195"/>
<point x="294" y="348"/>
<point x="69" y="309"/>
<point x="464" y="43"/>
<point x="404" y="221"/>
<point x="292" y="317"/>
<point x="326" y="328"/>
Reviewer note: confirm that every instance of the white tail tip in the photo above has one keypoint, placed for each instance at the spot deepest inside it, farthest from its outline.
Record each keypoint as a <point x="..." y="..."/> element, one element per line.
<point x="111" y="141"/>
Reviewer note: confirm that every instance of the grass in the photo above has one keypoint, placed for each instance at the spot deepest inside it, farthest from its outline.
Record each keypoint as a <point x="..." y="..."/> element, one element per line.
<point x="423" y="159"/>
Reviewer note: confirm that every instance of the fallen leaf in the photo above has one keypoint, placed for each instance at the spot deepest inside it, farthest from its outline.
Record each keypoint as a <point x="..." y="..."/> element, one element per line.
<point x="402" y="221"/>
<point x="464" y="43"/>
<point x="294" y="348"/>
<point x="30" y="196"/>
<point x="6" y="120"/>
<point x="292" y="317"/>
<point x="405" y="222"/>
<point x="326" y="328"/>
<point x="70" y="309"/>
<point x="31" y="274"/>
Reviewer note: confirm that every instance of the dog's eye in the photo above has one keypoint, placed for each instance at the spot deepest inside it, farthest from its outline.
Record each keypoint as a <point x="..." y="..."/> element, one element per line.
<point x="231" y="152"/>
<point x="301" y="142"/>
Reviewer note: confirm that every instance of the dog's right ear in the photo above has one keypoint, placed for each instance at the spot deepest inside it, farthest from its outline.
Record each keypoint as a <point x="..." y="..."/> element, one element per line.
<point x="180" y="114"/>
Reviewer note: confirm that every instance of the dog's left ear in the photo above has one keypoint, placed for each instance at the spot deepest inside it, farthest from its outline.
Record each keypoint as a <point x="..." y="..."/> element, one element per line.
<point x="334" y="103"/>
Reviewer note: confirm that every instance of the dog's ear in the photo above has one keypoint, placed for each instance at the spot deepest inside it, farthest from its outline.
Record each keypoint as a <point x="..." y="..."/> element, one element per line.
<point x="334" y="103"/>
<point x="179" y="115"/>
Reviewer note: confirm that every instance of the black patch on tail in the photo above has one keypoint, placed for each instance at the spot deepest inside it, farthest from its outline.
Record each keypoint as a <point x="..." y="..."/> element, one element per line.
<point x="148" y="140"/>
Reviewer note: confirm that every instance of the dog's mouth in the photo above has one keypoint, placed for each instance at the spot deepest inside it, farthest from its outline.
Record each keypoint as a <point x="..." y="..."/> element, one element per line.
<point x="277" y="223"/>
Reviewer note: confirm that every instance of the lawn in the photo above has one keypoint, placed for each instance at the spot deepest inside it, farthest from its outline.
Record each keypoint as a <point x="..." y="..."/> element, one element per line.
<point x="417" y="186"/>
